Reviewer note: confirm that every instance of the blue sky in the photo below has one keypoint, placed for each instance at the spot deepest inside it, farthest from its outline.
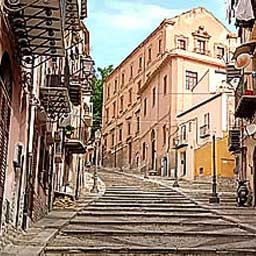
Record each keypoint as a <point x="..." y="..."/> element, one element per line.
<point x="118" y="26"/>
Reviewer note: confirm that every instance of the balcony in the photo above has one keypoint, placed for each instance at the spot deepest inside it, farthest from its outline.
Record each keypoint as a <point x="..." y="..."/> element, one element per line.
<point x="180" y="142"/>
<point x="234" y="140"/>
<point x="245" y="99"/>
<point x="76" y="137"/>
<point x="54" y="97"/>
<point x="37" y="27"/>
<point x="204" y="131"/>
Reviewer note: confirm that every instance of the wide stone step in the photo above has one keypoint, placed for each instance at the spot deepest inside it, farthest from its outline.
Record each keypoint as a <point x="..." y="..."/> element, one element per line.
<point x="147" y="214"/>
<point x="117" y="195"/>
<point x="127" y="205"/>
<point x="144" y="198"/>
<point x="109" y="232"/>
<point x="142" y="251"/>
<point x="198" y="223"/>
<point x="146" y="209"/>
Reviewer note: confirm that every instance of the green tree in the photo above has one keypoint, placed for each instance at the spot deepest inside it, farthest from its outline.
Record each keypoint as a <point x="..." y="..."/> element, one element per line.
<point x="101" y="75"/>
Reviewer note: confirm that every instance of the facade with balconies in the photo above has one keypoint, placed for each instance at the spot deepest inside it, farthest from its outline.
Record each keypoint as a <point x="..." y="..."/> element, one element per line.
<point x="52" y="71"/>
<point x="242" y="134"/>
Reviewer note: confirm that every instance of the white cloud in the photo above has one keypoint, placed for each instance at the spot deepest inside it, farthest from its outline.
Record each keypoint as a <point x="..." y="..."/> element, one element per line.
<point x="132" y="15"/>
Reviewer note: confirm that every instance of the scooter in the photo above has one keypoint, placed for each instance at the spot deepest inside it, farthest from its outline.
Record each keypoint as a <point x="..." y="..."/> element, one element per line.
<point x="242" y="193"/>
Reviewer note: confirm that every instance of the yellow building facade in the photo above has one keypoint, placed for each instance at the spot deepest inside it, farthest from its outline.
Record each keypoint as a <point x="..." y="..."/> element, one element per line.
<point x="225" y="162"/>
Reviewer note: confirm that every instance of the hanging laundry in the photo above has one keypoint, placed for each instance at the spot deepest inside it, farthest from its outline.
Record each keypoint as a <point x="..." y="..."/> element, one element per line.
<point x="244" y="11"/>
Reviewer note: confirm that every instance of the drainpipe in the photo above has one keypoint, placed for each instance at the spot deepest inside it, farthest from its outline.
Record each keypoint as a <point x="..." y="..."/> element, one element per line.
<point x="28" y="167"/>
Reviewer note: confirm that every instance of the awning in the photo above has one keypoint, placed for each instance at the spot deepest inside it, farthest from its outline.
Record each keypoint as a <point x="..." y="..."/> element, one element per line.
<point x="55" y="100"/>
<point x="38" y="27"/>
<point x="248" y="47"/>
<point x="75" y="146"/>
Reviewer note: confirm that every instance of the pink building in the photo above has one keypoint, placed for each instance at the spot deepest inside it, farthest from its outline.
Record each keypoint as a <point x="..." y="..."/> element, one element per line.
<point x="144" y="94"/>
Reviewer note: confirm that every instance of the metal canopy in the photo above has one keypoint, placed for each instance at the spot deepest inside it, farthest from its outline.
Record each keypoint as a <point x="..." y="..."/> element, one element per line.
<point x="72" y="17"/>
<point x="38" y="26"/>
<point x="75" y="146"/>
<point x="55" y="101"/>
<point x="246" y="106"/>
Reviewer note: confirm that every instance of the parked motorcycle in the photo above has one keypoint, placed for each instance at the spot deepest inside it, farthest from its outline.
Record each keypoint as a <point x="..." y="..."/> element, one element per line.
<point x="242" y="193"/>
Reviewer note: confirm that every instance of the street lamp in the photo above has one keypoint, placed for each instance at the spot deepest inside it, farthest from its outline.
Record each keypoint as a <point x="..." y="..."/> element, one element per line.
<point x="214" y="196"/>
<point x="146" y="169"/>
<point x="95" y="175"/>
<point x="176" y="179"/>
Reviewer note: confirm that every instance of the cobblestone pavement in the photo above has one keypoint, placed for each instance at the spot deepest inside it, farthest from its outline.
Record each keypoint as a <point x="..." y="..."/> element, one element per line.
<point x="140" y="217"/>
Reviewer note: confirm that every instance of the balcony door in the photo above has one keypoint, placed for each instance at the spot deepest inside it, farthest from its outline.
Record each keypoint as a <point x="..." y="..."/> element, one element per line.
<point x="183" y="163"/>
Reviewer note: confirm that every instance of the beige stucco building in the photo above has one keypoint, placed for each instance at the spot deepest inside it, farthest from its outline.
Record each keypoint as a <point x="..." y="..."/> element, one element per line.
<point x="144" y="94"/>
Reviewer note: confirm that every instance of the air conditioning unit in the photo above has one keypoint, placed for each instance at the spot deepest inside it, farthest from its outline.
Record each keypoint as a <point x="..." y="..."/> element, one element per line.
<point x="234" y="140"/>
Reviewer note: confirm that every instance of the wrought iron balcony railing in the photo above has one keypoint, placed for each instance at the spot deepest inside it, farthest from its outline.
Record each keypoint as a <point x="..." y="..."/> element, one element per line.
<point x="245" y="98"/>
<point x="204" y="131"/>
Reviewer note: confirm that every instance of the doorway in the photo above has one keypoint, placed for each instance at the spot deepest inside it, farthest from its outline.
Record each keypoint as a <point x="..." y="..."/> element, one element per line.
<point x="183" y="163"/>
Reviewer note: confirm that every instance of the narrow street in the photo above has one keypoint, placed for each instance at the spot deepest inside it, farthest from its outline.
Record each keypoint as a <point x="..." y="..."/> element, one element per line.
<point x="135" y="217"/>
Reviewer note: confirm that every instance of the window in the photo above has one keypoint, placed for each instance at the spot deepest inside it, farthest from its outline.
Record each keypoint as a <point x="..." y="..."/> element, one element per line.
<point x="138" y="123"/>
<point x="106" y="141"/>
<point x="120" y="133"/>
<point x="114" y="109"/>
<point x="153" y="97"/>
<point x="145" y="106"/>
<point x="131" y="71"/>
<point x="207" y="120"/>
<point x="164" y="134"/>
<point x="139" y="85"/>
<point x="113" y="137"/>
<point x="201" y="46"/>
<point x="115" y="88"/>
<point x="130" y="96"/>
<point x="181" y="44"/>
<point x="140" y="64"/>
<point x="191" y="79"/>
<point x="107" y="115"/>
<point x="190" y="126"/>
<point x="183" y="134"/>
<point x="144" y="151"/>
<point x="149" y="55"/>
<point x="129" y="127"/>
<point x="165" y="85"/>
<point x="159" y="46"/>
<point x="121" y="103"/>
<point x="220" y="52"/>
<point x="108" y="91"/>
<point x="122" y="80"/>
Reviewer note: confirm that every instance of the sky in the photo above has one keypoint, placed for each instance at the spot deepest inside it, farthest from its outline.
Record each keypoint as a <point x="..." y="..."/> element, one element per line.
<point x="118" y="26"/>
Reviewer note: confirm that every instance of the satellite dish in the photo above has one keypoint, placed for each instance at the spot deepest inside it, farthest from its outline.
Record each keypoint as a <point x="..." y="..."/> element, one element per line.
<point x="243" y="60"/>
<point x="250" y="129"/>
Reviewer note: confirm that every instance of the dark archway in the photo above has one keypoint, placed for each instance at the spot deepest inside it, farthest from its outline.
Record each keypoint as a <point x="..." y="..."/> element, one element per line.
<point x="5" y="113"/>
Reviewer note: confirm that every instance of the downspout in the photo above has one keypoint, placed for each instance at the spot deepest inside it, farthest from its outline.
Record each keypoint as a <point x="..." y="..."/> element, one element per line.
<point x="28" y="155"/>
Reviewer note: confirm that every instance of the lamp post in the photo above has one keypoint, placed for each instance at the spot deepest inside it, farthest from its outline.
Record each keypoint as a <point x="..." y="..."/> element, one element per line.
<point x="214" y="196"/>
<point x="95" y="174"/>
<point x="146" y="169"/>
<point x="176" y="179"/>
